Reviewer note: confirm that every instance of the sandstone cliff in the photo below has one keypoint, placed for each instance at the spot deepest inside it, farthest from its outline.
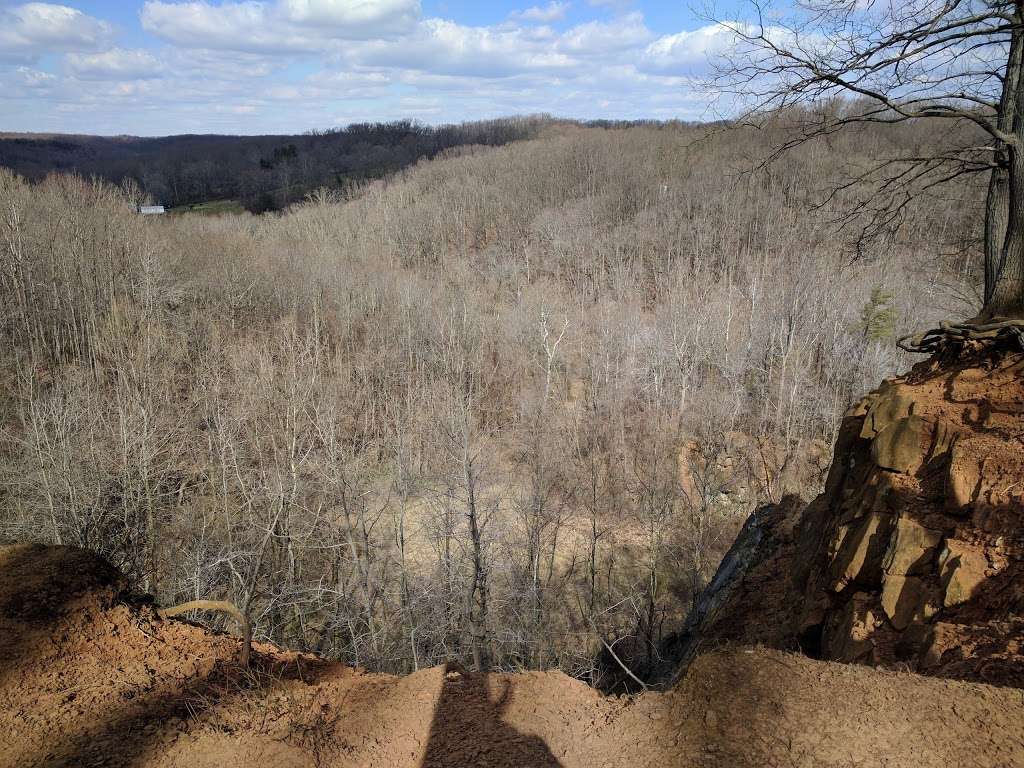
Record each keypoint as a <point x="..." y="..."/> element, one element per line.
<point x="913" y="554"/>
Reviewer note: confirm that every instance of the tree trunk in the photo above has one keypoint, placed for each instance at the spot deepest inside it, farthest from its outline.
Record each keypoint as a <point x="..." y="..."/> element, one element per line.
<point x="476" y="594"/>
<point x="1004" y="206"/>
<point x="1006" y="298"/>
<point x="997" y="208"/>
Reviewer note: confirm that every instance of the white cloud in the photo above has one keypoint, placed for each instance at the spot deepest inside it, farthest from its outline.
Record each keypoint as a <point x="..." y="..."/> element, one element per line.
<point x="115" y="64"/>
<point x="600" y="38"/>
<point x="283" y="26"/>
<point x="444" y="47"/>
<point x="688" y="51"/>
<point x="237" y="109"/>
<point x="33" y="78"/>
<point x="384" y="33"/>
<point x="693" y="52"/>
<point x="618" y="5"/>
<point x="398" y="14"/>
<point x="31" y="29"/>
<point x="219" y="65"/>
<point x="234" y="26"/>
<point x="553" y="11"/>
<point x="230" y="65"/>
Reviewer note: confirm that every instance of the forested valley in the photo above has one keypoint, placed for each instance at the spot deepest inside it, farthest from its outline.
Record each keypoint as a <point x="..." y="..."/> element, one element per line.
<point x="507" y="407"/>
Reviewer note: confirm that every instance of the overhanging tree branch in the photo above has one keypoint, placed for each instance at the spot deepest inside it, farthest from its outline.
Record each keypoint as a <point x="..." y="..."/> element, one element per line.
<point x="845" y="63"/>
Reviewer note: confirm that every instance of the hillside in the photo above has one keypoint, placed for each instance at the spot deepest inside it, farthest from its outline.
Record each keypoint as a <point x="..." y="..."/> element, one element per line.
<point x="259" y="172"/>
<point x="91" y="676"/>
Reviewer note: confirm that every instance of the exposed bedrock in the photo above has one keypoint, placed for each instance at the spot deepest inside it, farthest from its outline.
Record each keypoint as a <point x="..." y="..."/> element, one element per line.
<point x="912" y="556"/>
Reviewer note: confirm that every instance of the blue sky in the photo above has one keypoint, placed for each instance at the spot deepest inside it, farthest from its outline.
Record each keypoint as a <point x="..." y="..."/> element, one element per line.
<point x="155" y="67"/>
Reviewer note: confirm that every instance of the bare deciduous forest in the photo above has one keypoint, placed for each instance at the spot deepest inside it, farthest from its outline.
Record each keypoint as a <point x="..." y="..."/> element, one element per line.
<point x="501" y="408"/>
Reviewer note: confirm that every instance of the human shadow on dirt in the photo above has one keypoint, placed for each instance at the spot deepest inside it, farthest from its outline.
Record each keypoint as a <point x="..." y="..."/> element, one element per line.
<point x="468" y="728"/>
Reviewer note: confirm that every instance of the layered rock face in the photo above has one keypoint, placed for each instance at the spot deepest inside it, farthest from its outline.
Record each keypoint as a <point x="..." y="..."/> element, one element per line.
<point x="914" y="554"/>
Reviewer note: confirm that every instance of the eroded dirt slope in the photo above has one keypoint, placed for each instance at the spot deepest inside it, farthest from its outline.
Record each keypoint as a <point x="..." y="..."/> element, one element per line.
<point x="89" y="677"/>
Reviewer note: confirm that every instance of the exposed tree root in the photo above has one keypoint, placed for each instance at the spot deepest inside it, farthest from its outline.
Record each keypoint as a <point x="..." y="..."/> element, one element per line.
<point x="220" y="606"/>
<point x="948" y="336"/>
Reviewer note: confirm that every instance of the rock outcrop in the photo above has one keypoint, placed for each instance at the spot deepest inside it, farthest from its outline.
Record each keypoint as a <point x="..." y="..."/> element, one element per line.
<point x="913" y="555"/>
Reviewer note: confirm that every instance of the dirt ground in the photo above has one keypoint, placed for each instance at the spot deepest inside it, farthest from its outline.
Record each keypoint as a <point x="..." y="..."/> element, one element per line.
<point x="89" y="677"/>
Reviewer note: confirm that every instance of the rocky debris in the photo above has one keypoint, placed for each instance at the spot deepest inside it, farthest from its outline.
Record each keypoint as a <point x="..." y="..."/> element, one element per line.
<point x="911" y="548"/>
<point x="858" y="550"/>
<point x="963" y="478"/>
<point x="962" y="569"/>
<point x="900" y="447"/>
<point x="914" y="553"/>
<point x="907" y="596"/>
<point x="882" y="412"/>
<point x="906" y="599"/>
<point x="854" y="627"/>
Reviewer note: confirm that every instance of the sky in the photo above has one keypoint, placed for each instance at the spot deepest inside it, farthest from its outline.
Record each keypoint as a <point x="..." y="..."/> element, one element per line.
<point x="159" y="67"/>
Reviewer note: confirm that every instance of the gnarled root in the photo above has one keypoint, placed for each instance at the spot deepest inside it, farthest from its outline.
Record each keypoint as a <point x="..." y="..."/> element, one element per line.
<point x="1006" y="333"/>
<point x="220" y="606"/>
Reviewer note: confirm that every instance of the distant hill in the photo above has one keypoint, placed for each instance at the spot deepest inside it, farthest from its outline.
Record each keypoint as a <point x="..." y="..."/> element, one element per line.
<point x="260" y="172"/>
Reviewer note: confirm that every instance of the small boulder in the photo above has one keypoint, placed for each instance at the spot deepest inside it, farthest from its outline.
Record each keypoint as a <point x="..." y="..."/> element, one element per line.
<point x="888" y="407"/>
<point x="905" y="600"/>
<point x="963" y="478"/>
<point x="945" y="438"/>
<point x="875" y="495"/>
<point x="914" y="642"/>
<point x="900" y="447"/>
<point x="911" y="548"/>
<point x="861" y="407"/>
<point x="848" y="639"/>
<point x="858" y="551"/>
<point x="962" y="569"/>
<point x="939" y="638"/>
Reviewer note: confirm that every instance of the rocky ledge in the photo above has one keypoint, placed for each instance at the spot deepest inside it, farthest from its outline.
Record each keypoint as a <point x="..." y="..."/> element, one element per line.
<point x="913" y="556"/>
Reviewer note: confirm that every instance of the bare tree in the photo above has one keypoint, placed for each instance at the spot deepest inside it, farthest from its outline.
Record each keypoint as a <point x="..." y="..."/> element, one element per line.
<point x="853" y="62"/>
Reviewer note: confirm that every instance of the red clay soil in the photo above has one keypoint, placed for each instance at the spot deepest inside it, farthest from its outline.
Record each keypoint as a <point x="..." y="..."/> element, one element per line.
<point x="90" y="677"/>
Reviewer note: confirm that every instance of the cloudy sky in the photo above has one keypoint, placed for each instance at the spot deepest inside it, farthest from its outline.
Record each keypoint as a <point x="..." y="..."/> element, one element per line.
<point x="155" y="67"/>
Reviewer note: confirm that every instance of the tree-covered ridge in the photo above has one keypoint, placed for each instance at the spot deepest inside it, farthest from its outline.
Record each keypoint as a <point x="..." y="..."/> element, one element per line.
<point x="261" y="172"/>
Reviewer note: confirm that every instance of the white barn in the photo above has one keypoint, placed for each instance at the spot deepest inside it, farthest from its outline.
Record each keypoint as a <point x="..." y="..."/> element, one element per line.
<point x="151" y="210"/>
